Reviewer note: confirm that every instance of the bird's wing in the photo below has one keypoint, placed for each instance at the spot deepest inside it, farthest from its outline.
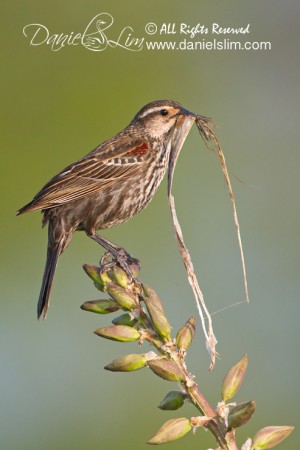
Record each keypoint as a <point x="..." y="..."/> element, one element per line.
<point x="99" y="169"/>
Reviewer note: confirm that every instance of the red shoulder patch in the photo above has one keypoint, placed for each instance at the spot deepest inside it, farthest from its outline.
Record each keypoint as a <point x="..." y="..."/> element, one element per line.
<point x="140" y="150"/>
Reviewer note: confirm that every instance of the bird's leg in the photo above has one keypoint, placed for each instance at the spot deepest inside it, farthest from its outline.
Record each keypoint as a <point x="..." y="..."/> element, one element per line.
<point x="119" y="254"/>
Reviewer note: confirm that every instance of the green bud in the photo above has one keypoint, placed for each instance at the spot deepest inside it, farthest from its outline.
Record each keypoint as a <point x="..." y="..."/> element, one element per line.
<point x="120" y="333"/>
<point x="268" y="437"/>
<point x="106" y="276"/>
<point x="186" y="334"/>
<point x="135" y="269"/>
<point x="153" y="297"/>
<point x="119" y="276"/>
<point x="234" y="378"/>
<point x="127" y="363"/>
<point x="172" y="401"/>
<point x="240" y="414"/>
<point x="100" y="287"/>
<point x="157" y="314"/>
<point x="125" y="319"/>
<point x="94" y="273"/>
<point x="166" y="369"/>
<point x="100" y="306"/>
<point x="159" y="320"/>
<point x="171" y="430"/>
<point x="122" y="297"/>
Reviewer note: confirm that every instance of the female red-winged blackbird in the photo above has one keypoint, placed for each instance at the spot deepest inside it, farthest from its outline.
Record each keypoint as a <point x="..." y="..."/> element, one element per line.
<point x="110" y="184"/>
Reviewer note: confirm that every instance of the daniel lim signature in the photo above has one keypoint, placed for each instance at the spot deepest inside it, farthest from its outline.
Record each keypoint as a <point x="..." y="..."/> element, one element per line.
<point x="93" y="38"/>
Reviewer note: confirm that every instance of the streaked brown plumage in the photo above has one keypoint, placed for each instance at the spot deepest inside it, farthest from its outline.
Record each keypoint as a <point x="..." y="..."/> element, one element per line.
<point x="108" y="186"/>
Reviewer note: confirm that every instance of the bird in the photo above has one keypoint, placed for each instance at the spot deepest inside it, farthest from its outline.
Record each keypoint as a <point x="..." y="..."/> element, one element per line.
<point x="109" y="185"/>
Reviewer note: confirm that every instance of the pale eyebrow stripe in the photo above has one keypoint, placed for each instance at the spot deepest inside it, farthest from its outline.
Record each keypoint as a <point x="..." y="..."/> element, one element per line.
<point x="152" y="110"/>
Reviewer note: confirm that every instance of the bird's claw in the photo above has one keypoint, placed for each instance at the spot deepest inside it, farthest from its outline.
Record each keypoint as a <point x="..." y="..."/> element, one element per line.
<point x="123" y="259"/>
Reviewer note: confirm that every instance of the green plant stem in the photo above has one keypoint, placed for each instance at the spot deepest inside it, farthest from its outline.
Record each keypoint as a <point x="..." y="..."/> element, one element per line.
<point x="230" y="438"/>
<point x="214" y="425"/>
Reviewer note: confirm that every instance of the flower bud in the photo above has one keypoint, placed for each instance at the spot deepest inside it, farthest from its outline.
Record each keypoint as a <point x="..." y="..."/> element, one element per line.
<point x="100" y="306"/>
<point x="135" y="268"/>
<point x="166" y="369"/>
<point x="119" y="276"/>
<point x="106" y="276"/>
<point x="268" y="437"/>
<point x="171" y="430"/>
<point x="120" y="333"/>
<point x="127" y="363"/>
<point x="153" y="297"/>
<point x="234" y="378"/>
<point x="172" y="401"/>
<point x="125" y="319"/>
<point x="159" y="320"/>
<point x="186" y="334"/>
<point x="123" y="298"/>
<point x="94" y="273"/>
<point x="157" y="314"/>
<point x="240" y="414"/>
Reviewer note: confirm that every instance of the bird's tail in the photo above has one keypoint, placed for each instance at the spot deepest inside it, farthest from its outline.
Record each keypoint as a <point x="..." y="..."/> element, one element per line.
<point x="53" y="253"/>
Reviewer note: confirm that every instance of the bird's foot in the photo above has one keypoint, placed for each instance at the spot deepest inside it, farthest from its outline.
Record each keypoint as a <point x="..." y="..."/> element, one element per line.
<point x="122" y="258"/>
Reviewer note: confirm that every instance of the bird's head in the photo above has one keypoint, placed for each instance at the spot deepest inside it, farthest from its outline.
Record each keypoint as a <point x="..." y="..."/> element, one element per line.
<point x="161" y="117"/>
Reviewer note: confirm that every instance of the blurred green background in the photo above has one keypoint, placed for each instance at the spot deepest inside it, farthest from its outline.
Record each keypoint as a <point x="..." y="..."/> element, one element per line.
<point x="56" y="107"/>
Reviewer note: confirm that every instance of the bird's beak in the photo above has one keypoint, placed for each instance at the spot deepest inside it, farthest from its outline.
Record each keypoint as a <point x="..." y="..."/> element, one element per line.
<point x="185" y="120"/>
<point x="187" y="113"/>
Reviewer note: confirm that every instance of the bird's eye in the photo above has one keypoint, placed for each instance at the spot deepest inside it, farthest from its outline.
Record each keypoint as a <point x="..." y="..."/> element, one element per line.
<point x="163" y="112"/>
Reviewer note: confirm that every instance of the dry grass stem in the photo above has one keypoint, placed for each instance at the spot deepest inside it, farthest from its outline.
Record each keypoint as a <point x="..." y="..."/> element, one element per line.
<point x="204" y="126"/>
<point x="192" y="278"/>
